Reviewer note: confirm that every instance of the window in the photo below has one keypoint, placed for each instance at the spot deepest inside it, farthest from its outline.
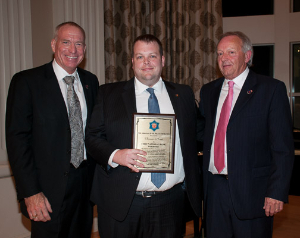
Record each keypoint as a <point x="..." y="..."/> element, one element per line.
<point x="295" y="83"/>
<point x="296" y="5"/>
<point x="263" y="60"/>
<point x="235" y="8"/>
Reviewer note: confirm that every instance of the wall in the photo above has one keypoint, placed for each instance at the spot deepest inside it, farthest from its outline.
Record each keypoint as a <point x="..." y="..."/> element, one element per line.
<point x="42" y="31"/>
<point x="12" y="223"/>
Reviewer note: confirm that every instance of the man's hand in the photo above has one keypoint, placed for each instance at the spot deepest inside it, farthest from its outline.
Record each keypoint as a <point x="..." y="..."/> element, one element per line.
<point x="130" y="158"/>
<point x="38" y="207"/>
<point x="272" y="206"/>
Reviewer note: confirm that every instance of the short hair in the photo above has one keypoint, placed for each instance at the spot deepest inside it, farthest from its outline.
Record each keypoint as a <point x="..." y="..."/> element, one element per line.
<point x="247" y="45"/>
<point x="148" y="38"/>
<point x="70" y="23"/>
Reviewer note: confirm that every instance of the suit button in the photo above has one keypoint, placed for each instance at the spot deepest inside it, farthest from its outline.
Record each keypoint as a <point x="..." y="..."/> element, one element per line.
<point x="66" y="174"/>
<point x="137" y="177"/>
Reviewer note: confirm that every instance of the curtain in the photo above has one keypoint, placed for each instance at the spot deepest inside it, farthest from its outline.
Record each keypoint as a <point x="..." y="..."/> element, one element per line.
<point x="188" y="29"/>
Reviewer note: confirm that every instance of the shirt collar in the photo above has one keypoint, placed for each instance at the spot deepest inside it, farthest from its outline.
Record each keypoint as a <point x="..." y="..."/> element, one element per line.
<point x="239" y="80"/>
<point x="61" y="73"/>
<point x="140" y="87"/>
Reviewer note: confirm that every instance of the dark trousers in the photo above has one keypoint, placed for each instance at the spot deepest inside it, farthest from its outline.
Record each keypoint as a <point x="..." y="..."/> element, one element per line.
<point x="159" y="216"/>
<point x="76" y="215"/>
<point x="221" y="220"/>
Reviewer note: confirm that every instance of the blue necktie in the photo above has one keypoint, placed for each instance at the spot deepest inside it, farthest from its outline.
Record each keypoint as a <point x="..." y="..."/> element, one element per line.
<point x="156" y="178"/>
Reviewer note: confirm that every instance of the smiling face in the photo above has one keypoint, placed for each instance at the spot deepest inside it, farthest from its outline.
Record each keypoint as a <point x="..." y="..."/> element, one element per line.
<point x="232" y="60"/>
<point x="68" y="47"/>
<point x="147" y="63"/>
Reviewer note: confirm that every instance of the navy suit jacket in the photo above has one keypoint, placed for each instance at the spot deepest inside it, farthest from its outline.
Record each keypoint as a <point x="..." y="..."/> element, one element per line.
<point x="260" y="147"/>
<point x="38" y="136"/>
<point x="111" y="128"/>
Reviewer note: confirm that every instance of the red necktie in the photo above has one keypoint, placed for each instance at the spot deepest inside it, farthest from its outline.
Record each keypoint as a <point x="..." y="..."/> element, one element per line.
<point x="219" y="146"/>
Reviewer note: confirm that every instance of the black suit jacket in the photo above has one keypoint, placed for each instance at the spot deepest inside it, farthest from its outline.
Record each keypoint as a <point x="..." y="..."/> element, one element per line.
<point x="111" y="128"/>
<point x="38" y="136"/>
<point x="260" y="147"/>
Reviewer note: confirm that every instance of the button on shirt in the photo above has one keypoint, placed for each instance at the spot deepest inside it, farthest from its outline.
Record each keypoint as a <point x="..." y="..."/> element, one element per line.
<point x="238" y="84"/>
<point x="165" y="107"/>
<point x="60" y="74"/>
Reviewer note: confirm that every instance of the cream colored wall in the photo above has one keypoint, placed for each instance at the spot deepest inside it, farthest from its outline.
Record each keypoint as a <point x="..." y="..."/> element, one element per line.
<point x="42" y="31"/>
<point x="12" y="223"/>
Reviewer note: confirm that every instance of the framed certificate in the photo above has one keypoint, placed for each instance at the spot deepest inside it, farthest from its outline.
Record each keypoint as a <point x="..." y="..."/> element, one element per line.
<point x="155" y="134"/>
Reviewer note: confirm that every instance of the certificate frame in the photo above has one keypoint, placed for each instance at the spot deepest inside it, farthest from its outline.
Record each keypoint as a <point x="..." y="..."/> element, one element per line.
<point x="155" y="134"/>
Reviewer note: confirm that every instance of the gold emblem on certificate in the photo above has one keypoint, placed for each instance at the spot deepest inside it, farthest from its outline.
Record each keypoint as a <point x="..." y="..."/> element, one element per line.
<point x="155" y="134"/>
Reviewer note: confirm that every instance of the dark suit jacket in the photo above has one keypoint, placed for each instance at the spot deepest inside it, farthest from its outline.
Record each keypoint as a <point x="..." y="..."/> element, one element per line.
<point x="260" y="149"/>
<point x="111" y="128"/>
<point x="38" y="134"/>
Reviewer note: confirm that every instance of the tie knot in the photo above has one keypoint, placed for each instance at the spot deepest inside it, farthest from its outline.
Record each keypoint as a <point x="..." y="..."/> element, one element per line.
<point x="69" y="80"/>
<point x="150" y="90"/>
<point x="230" y="83"/>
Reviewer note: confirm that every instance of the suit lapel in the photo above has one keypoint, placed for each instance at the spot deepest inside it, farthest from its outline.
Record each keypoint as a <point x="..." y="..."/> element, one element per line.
<point x="246" y="93"/>
<point x="129" y="100"/>
<point x="214" y="98"/>
<point x="174" y="97"/>
<point x="86" y="87"/>
<point x="54" y="90"/>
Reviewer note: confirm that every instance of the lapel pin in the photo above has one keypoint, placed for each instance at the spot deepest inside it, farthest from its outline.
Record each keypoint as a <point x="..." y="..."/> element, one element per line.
<point x="249" y="91"/>
<point x="87" y="86"/>
<point x="176" y="95"/>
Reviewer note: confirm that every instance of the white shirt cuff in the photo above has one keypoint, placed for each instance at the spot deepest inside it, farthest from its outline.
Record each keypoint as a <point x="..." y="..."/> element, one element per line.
<point x="110" y="162"/>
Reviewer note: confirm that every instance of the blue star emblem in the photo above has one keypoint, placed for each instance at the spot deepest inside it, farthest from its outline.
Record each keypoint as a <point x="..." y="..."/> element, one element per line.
<point x="154" y="125"/>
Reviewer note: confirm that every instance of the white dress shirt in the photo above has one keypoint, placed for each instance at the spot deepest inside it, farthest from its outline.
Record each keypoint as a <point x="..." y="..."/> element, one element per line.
<point x="60" y="74"/>
<point x="165" y="107"/>
<point x="237" y="87"/>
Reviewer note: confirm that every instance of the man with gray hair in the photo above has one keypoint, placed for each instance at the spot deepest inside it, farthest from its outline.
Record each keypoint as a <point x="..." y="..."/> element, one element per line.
<point x="248" y="145"/>
<point x="48" y="108"/>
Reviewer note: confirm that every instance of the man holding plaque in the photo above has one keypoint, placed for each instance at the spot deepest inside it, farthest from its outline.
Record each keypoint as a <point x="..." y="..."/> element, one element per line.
<point x="139" y="193"/>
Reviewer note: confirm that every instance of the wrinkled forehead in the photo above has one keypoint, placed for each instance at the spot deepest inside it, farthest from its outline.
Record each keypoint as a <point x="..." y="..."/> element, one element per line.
<point x="230" y="41"/>
<point x="70" y="30"/>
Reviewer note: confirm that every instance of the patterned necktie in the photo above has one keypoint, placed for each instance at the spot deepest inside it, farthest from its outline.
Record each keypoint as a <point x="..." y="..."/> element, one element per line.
<point x="75" y="120"/>
<point x="156" y="178"/>
<point x="219" y="146"/>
